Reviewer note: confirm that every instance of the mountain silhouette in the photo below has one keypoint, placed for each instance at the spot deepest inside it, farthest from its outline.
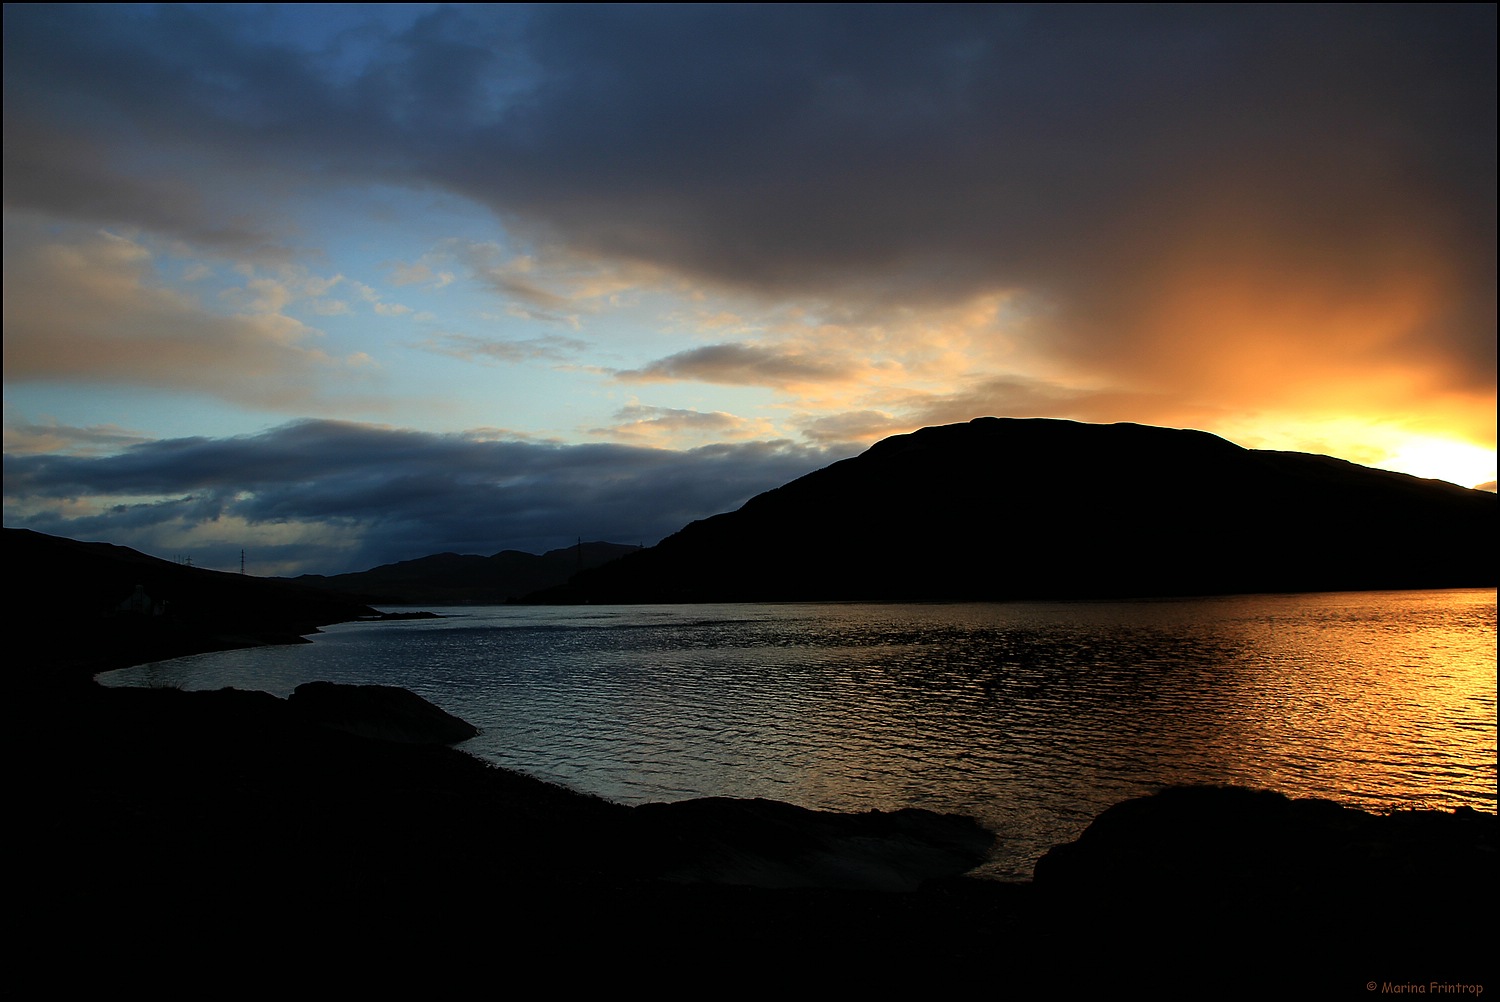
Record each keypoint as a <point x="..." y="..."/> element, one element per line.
<point x="1003" y="508"/>
<point x="457" y="579"/>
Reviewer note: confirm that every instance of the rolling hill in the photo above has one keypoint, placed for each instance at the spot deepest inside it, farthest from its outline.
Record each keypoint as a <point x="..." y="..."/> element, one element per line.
<point x="1001" y="508"/>
<point x="460" y="579"/>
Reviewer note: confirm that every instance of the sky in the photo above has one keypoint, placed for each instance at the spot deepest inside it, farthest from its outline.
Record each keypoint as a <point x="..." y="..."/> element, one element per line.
<point x="342" y="285"/>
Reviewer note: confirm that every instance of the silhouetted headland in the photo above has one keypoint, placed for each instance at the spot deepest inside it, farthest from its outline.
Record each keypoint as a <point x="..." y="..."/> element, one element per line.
<point x="1045" y="509"/>
<point x="94" y="606"/>
<point x="158" y="830"/>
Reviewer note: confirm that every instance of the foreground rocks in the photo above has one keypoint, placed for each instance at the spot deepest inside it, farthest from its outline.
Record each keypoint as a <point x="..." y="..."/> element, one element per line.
<point x="201" y="819"/>
<point x="1252" y="883"/>
<point x="194" y="840"/>
<point x="229" y="825"/>
<point x="385" y="712"/>
<point x="768" y="844"/>
<point x="1200" y="844"/>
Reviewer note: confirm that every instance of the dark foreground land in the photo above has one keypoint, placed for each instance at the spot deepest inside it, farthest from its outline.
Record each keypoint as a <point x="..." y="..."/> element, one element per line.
<point x="170" y="830"/>
<point x="202" y="841"/>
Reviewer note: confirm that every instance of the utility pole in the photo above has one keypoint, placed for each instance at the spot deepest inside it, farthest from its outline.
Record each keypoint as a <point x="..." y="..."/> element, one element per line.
<point x="242" y="561"/>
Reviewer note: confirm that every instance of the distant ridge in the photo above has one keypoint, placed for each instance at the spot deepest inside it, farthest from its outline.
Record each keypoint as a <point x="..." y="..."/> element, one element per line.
<point x="1003" y="508"/>
<point x="461" y="579"/>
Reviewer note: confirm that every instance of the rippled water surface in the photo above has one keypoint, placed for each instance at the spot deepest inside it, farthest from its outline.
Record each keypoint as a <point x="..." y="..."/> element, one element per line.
<point x="1032" y="717"/>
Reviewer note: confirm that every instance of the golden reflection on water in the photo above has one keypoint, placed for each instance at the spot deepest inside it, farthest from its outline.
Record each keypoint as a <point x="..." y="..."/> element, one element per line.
<point x="1360" y="702"/>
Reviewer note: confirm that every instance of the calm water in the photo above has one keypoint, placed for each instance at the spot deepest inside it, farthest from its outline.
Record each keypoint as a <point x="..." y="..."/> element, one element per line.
<point x="1032" y="717"/>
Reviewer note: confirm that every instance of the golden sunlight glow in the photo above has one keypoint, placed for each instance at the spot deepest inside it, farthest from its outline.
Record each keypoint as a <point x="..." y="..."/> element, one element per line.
<point x="1461" y="463"/>
<point x="1260" y="335"/>
<point x="1436" y="452"/>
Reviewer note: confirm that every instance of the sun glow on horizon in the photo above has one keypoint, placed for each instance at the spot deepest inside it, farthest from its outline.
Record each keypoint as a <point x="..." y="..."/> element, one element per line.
<point x="1434" y="458"/>
<point x="517" y="249"/>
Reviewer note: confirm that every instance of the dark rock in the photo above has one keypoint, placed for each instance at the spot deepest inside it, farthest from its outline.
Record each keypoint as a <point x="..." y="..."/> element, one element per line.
<point x="1209" y="841"/>
<point x="385" y="712"/>
<point x="1198" y="872"/>
<point x="769" y="844"/>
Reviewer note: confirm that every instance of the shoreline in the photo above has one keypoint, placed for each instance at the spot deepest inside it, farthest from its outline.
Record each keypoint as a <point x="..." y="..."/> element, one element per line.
<point x="159" y="831"/>
<point x="167" y="812"/>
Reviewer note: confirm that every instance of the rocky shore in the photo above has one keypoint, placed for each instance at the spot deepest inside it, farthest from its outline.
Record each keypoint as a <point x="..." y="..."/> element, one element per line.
<point x="215" y="823"/>
<point x="192" y="840"/>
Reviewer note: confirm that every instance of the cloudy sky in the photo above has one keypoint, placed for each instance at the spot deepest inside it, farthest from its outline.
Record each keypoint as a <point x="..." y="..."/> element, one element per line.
<point x="345" y="285"/>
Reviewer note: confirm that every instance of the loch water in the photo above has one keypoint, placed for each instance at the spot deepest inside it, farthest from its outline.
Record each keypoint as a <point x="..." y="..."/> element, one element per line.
<point x="1030" y="716"/>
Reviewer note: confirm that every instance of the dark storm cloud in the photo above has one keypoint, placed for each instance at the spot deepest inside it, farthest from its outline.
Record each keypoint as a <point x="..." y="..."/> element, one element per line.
<point x="909" y="153"/>
<point x="1259" y="206"/>
<point x="1075" y="152"/>
<point x="400" y="494"/>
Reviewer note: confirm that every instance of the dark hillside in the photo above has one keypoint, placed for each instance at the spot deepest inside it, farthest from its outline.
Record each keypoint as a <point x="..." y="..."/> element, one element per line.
<point x="459" y="579"/>
<point x="1008" y="509"/>
<point x="101" y="606"/>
